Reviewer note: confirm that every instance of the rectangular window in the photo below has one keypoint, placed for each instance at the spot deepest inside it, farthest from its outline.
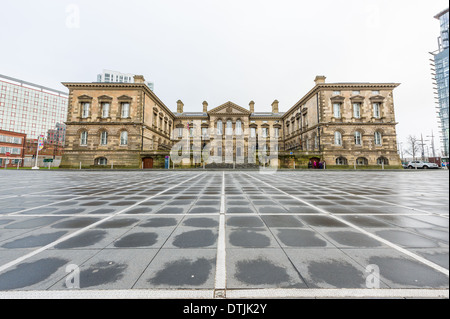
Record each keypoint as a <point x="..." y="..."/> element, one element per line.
<point x="337" y="110"/>
<point x="180" y="132"/>
<point x="357" y="110"/>
<point x="336" y="92"/>
<point x="376" y="110"/>
<point x="204" y="131"/>
<point x="125" y="110"/>
<point x="277" y="132"/>
<point x="104" y="138"/>
<point x="265" y="132"/>
<point x="252" y="132"/>
<point x="85" y="110"/>
<point x="105" y="110"/>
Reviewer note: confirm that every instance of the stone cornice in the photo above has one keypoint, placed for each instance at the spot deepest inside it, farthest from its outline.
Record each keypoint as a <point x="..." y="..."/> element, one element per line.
<point x="328" y="86"/>
<point x="115" y="86"/>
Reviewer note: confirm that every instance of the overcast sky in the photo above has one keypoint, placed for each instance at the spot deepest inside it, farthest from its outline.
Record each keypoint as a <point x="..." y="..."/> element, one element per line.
<point x="233" y="50"/>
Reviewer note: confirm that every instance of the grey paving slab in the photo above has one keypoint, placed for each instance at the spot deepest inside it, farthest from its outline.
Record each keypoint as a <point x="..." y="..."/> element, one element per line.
<point x="271" y="240"/>
<point x="261" y="268"/>
<point x="42" y="271"/>
<point x="328" y="268"/>
<point x="112" y="269"/>
<point x="192" y="237"/>
<point x="398" y="270"/>
<point x="179" y="268"/>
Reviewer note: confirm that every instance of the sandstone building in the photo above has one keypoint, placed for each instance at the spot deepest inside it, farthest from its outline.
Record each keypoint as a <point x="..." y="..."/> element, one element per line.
<point x="127" y="125"/>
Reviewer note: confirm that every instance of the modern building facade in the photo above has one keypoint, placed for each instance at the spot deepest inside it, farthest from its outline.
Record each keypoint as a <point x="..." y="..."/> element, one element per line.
<point x="57" y="136"/>
<point x="110" y="76"/>
<point x="12" y="148"/>
<point x="127" y="125"/>
<point x="441" y="77"/>
<point x="30" y="108"/>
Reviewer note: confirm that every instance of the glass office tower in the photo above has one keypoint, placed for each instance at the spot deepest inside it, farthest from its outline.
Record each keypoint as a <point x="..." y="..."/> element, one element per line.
<point x="30" y="108"/>
<point x="441" y="57"/>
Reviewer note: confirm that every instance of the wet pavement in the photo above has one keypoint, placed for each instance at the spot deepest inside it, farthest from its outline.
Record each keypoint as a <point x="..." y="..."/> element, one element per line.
<point x="223" y="231"/>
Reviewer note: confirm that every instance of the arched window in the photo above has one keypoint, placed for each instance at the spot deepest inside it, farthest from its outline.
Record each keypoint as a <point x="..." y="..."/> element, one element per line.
<point x="238" y="127"/>
<point x="104" y="138"/>
<point x="123" y="138"/>
<point x="358" y="138"/>
<point x="377" y="136"/>
<point x="382" y="160"/>
<point x="83" y="138"/>
<point x="341" y="161"/>
<point x="337" y="138"/>
<point x="362" y="161"/>
<point x="101" y="161"/>
<point x="219" y="127"/>
<point x="229" y="127"/>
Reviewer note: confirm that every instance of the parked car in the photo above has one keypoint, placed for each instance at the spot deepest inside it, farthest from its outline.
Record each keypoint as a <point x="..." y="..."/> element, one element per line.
<point x="421" y="164"/>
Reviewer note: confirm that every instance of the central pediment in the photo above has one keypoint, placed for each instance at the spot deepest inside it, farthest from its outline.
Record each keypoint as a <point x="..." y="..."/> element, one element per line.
<point x="229" y="108"/>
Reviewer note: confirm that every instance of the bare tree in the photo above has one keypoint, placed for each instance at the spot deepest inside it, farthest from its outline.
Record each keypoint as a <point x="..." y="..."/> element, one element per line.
<point x="413" y="146"/>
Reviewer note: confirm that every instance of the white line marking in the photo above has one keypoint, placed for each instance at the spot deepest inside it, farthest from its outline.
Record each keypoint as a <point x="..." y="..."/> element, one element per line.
<point x="232" y="293"/>
<point x="382" y="240"/>
<point x="39" y="250"/>
<point x="221" y="274"/>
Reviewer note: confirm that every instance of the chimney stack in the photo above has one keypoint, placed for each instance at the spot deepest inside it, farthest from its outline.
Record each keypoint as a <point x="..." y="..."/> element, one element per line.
<point x="180" y="106"/>
<point x="252" y="107"/>
<point x="320" y="79"/>
<point x="275" y="106"/>
<point x="205" y="106"/>
<point x="139" y="79"/>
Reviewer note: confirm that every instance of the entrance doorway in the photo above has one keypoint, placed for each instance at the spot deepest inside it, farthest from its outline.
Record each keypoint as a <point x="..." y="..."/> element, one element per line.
<point x="147" y="162"/>
<point x="314" y="162"/>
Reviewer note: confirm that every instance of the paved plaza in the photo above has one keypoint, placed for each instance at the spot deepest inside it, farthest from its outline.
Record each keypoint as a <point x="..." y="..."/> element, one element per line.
<point x="215" y="234"/>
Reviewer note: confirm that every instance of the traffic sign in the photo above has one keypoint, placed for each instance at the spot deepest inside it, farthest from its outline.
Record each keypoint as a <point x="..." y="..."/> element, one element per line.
<point x="48" y="160"/>
<point x="8" y="153"/>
